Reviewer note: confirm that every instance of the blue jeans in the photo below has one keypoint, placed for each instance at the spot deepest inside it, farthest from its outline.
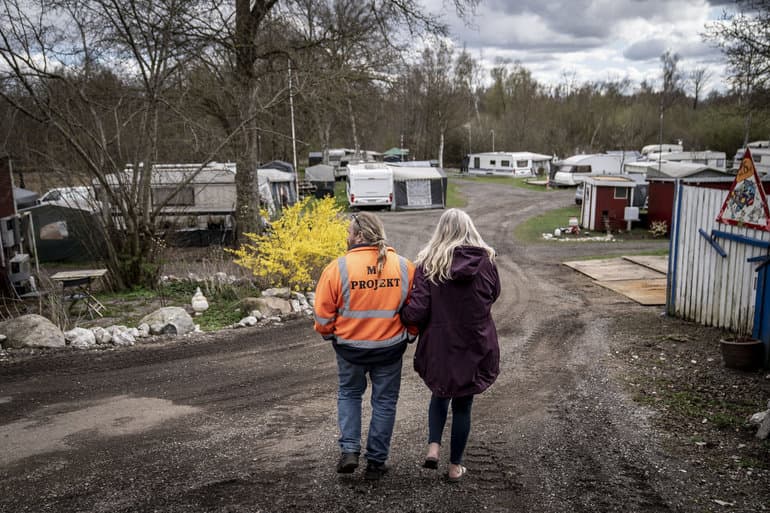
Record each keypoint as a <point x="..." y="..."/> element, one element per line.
<point x="461" y="423"/>
<point x="386" y="384"/>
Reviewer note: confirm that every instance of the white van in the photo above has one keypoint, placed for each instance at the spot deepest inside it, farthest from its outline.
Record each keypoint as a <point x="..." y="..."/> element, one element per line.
<point x="573" y="170"/>
<point x="370" y="185"/>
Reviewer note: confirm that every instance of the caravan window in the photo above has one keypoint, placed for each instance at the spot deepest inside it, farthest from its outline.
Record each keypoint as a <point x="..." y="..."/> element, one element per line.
<point x="185" y="197"/>
<point x="492" y="162"/>
<point x="621" y="193"/>
<point x="582" y="169"/>
<point x="522" y="163"/>
<point x="505" y="163"/>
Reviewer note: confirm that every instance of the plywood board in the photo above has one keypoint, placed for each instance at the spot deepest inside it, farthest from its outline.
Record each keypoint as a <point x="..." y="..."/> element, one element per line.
<point x="656" y="262"/>
<point x="646" y="292"/>
<point x="613" y="269"/>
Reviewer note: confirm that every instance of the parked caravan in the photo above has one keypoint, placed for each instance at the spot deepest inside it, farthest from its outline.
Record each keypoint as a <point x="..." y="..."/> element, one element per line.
<point x="760" y="153"/>
<point x="79" y="197"/>
<point x="196" y="198"/>
<point x="418" y="187"/>
<point x="370" y="185"/>
<point x="573" y="170"/>
<point x="322" y="177"/>
<point x="509" y="163"/>
<point x="660" y="148"/>
<point x="715" y="159"/>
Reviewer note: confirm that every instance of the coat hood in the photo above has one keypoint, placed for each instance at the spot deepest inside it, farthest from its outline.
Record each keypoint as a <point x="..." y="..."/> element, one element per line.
<point x="466" y="261"/>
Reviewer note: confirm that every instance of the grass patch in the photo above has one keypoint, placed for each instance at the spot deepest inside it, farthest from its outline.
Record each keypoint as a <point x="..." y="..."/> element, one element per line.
<point x="128" y="307"/>
<point x="454" y="199"/>
<point x="532" y="229"/>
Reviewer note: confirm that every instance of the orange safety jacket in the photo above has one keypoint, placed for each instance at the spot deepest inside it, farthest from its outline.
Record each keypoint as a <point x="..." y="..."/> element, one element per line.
<point x="358" y="308"/>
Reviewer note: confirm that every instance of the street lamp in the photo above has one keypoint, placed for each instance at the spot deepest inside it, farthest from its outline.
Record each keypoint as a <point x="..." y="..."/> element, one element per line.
<point x="493" y="139"/>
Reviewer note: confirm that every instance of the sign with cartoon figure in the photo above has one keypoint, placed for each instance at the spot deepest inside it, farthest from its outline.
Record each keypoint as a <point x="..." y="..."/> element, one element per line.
<point x="746" y="204"/>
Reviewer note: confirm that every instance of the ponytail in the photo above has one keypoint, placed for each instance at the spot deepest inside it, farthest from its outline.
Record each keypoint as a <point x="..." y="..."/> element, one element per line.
<point x="372" y="232"/>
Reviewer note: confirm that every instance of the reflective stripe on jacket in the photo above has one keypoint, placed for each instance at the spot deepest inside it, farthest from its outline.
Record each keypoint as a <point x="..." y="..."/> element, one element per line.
<point x="358" y="307"/>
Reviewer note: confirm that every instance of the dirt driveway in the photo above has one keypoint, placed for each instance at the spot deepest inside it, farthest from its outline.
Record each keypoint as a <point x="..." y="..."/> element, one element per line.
<point x="245" y="421"/>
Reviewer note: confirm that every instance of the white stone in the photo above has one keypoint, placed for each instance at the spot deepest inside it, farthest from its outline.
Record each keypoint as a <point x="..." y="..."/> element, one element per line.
<point x="169" y="320"/>
<point x="283" y="293"/>
<point x="757" y="418"/>
<point x="295" y="305"/>
<point x="31" y="330"/>
<point x="80" y="338"/>
<point x="257" y="314"/>
<point x="143" y="329"/>
<point x="122" y="338"/>
<point x="248" y="321"/>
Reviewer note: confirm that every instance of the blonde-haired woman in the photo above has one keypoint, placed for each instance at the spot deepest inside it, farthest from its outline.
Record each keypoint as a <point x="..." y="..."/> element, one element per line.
<point x="457" y="356"/>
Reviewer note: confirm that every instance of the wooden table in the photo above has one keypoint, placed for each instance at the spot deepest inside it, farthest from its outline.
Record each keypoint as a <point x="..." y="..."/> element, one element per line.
<point x="81" y="282"/>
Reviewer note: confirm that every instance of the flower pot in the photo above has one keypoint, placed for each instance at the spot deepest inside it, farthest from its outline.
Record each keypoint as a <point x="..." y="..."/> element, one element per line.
<point x="742" y="353"/>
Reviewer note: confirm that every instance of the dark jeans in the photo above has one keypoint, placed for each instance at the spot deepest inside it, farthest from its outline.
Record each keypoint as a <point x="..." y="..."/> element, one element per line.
<point x="461" y="423"/>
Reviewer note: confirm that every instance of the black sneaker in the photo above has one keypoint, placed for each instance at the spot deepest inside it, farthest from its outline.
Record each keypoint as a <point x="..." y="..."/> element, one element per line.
<point x="374" y="471"/>
<point x="348" y="463"/>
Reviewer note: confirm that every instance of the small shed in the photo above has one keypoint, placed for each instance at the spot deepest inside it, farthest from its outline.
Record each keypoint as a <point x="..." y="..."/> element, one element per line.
<point x="418" y="187"/>
<point x="663" y="177"/>
<point x="605" y="199"/>
<point x="322" y="176"/>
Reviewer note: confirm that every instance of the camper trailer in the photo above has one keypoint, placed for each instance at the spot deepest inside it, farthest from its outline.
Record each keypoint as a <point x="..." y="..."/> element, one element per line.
<point x="573" y="170"/>
<point x="760" y="153"/>
<point x="714" y="159"/>
<point x="509" y="163"/>
<point x="194" y="197"/>
<point x="660" y="148"/>
<point x="370" y="185"/>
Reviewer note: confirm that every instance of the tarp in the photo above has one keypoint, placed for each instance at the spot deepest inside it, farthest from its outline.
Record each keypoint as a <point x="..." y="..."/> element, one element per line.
<point x="276" y="189"/>
<point x="322" y="176"/>
<point x="418" y="187"/>
<point x="319" y="173"/>
<point x="279" y="165"/>
<point x="66" y="234"/>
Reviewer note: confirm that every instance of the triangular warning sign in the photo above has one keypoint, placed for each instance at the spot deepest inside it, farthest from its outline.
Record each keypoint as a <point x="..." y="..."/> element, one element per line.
<point x="746" y="203"/>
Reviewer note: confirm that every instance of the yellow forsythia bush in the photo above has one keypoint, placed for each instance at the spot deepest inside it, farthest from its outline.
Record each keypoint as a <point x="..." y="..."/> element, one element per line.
<point x="294" y="251"/>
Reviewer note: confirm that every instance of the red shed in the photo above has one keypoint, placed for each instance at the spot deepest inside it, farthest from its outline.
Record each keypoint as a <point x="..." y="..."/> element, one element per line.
<point x="605" y="199"/>
<point x="662" y="183"/>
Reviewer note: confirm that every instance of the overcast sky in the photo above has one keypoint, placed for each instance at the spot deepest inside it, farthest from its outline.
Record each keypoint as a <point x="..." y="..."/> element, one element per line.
<point x="592" y="40"/>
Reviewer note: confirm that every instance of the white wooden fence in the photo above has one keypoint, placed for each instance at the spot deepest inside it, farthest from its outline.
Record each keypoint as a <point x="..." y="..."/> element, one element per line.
<point x="702" y="285"/>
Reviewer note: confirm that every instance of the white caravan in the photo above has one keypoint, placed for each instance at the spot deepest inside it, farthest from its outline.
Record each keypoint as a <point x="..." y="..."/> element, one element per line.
<point x="760" y="153"/>
<point x="523" y="163"/>
<point x="660" y="148"/>
<point x="715" y="159"/>
<point x="573" y="170"/>
<point x="370" y="185"/>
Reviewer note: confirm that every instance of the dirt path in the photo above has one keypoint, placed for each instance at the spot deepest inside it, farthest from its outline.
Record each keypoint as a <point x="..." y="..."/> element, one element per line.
<point x="245" y="421"/>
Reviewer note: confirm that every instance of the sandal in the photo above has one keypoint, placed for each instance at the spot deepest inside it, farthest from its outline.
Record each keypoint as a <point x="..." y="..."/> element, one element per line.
<point x="457" y="479"/>
<point x="431" y="463"/>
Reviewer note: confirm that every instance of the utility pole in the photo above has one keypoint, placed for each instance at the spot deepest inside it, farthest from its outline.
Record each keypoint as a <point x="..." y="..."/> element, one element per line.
<point x="293" y="134"/>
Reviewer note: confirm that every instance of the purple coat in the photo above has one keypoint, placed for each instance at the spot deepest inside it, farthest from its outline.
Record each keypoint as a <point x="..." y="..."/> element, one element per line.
<point x="457" y="354"/>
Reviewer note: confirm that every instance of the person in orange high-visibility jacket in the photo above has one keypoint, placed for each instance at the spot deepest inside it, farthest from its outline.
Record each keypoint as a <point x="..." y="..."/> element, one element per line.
<point x="357" y="303"/>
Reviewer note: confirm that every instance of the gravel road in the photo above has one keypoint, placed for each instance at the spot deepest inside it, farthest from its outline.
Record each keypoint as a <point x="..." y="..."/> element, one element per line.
<point x="245" y="421"/>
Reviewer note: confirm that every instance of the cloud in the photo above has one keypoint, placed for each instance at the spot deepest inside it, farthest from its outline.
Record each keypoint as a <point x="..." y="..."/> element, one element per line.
<point x="591" y="38"/>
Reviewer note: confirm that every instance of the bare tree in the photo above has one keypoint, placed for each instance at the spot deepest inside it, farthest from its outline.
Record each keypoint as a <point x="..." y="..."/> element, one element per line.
<point x="57" y="57"/>
<point x="698" y="78"/>
<point x="744" y="38"/>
